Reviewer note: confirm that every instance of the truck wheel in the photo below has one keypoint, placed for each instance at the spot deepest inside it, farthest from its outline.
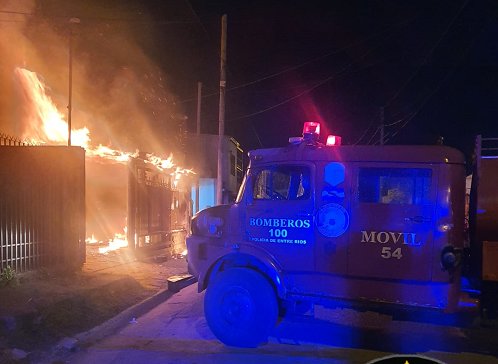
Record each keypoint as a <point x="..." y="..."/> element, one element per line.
<point x="240" y="307"/>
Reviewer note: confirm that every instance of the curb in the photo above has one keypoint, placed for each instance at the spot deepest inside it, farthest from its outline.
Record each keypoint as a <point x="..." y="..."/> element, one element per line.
<point x="121" y="319"/>
<point x="68" y="346"/>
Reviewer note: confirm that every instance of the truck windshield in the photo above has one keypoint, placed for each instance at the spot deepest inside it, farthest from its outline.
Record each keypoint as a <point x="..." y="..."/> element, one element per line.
<point x="286" y="182"/>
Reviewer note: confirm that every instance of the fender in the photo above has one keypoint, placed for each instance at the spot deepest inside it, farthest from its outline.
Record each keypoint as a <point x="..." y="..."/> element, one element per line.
<point x="250" y="257"/>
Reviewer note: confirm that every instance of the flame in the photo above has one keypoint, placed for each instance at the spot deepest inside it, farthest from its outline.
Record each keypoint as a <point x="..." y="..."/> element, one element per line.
<point x="111" y="154"/>
<point x="91" y="240"/>
<point x="119" y="241"/>
<point x="53" y="127"/>
<point x="161" y="163"/>
<point x="47" y="125"/>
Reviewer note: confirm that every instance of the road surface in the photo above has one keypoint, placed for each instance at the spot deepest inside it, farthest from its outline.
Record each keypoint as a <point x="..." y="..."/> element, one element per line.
<point x="176" y="332"/>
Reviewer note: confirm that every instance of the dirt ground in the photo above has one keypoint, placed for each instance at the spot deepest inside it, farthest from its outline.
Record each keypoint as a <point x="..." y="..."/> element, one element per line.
<point x="39" y="308"/>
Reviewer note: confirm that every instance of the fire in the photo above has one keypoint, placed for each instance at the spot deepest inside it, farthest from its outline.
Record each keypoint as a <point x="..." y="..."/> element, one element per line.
<point x="53" y="128"/>
<point x="46" y="124"/>
<point x="119" y="241"/>
<point x="109" y="153"/>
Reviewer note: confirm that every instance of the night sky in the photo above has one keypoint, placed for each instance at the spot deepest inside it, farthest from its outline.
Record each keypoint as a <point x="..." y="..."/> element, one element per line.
<point x="432" y="66"/>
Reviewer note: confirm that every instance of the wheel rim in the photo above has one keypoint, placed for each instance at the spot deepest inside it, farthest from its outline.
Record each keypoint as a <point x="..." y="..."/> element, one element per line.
<point x="236" y="306"/>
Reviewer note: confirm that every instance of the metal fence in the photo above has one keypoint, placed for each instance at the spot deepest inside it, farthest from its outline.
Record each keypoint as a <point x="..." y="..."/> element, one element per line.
<point x="149" y="201"/>
<point x="158" y="213"/>
<point x="13" y="141"/>
<point x="42" y="206"/>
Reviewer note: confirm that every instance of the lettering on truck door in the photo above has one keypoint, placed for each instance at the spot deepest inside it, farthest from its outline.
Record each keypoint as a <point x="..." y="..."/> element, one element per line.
<point x="392" y="221"/>
<point x="279" y="217"/>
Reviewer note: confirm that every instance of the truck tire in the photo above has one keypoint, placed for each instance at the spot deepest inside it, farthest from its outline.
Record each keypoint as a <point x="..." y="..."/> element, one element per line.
<point x="241" y="308"/>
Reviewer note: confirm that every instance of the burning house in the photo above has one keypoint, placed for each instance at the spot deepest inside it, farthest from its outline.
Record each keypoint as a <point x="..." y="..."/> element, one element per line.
<point x="123" y="117"/>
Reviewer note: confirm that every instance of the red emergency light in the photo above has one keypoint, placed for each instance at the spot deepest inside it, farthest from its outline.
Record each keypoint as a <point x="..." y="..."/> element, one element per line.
<point x="311" y="127"/>
<point x="333" y="140"/>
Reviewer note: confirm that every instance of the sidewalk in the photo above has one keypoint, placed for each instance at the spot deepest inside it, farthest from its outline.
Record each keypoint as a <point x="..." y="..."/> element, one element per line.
<point x="49" y="309"/>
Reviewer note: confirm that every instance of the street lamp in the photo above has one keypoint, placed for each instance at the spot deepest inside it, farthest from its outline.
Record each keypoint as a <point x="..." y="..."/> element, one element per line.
<point x="69" y="105"/>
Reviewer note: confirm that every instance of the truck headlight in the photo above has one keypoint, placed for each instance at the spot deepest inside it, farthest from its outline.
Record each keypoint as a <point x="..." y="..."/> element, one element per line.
<point x="204" y="224"/>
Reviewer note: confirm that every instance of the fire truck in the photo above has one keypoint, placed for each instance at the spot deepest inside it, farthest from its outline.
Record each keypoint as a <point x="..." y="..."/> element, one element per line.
<point x="314" y="223"/>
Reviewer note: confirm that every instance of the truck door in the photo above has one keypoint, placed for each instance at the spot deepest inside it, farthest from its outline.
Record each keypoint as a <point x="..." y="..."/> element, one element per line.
<point x="279" y="213"/>
<point x="392" y="219"/>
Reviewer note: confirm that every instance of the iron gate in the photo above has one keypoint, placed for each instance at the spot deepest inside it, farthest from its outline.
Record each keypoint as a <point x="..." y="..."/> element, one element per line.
<point x="150" y="197"/>
<point x="42" y="207"/>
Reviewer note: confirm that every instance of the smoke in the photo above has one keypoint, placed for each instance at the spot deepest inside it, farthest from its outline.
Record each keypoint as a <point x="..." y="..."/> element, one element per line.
<point x="119" y="93"/>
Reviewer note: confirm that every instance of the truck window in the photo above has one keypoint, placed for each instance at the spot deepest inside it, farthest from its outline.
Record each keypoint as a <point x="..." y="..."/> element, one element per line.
<point x="282" y="183"/>
<point x="409" y="186"/>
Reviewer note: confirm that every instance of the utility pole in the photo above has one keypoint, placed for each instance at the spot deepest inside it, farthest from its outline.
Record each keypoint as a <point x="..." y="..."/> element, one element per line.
<point x="382" y="125"/>
<point x="70" y="101"/>
<point x="199" y="97"/>
<point x="221" y="124"/>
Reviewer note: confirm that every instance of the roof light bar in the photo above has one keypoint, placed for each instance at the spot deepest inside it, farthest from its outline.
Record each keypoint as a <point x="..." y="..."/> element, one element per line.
<point x="333" y="140"/>
<point x="311" y="127"/>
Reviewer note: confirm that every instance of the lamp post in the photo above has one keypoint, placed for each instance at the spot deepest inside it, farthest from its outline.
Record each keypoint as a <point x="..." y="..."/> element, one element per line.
<point x="69" y="105"/>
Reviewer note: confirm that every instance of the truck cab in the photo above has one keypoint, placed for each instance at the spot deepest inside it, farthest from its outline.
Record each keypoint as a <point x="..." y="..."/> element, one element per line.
<point x="315" y="223"/>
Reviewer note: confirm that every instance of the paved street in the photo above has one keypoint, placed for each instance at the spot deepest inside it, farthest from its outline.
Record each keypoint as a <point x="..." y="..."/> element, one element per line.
<point x="176" y="332"/>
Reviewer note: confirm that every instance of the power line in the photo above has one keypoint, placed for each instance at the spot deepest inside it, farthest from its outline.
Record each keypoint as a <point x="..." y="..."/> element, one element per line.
<point x="373" y="135"/>
<point x="290" y="98"/>
<point x="431" y="50"/>
<point x="305" y="63"/>
<point x="406" y="120"/>
<point x="15" y="12"/>
<point x="424" y="101"/>
<point x="372" y="122"/>
<point x="99" y="18"/>
<point x="198" y="20"/>
<point x="395" y="123"/>
<point x="320" y="83"/>
<point x="435" y="90"/>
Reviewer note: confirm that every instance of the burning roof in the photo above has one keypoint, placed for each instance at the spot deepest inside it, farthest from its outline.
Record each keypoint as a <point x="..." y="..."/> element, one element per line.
<point x="121" y="101"/>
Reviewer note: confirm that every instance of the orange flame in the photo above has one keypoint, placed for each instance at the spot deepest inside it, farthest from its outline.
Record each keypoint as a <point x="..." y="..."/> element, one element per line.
<point x="53" y="127"/>
<point x="119" y="241"/>
<point x="47" y="125"/>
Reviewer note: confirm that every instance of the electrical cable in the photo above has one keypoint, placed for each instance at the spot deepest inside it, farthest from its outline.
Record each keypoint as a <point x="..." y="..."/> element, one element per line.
<point x="365" y="132"/>
<point x="320" y="83"/>
<point x="290" y="98"/>
<point x="434" y="91"/>
<point x="424" y="101"/>
<point x="312" y="60"/>
<point x="415" y="73"/>
<point x="91" y="18"/>
<point x="431" y="51"/>
<point x="373" y="135"/>
<point x="395" y="123"/>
